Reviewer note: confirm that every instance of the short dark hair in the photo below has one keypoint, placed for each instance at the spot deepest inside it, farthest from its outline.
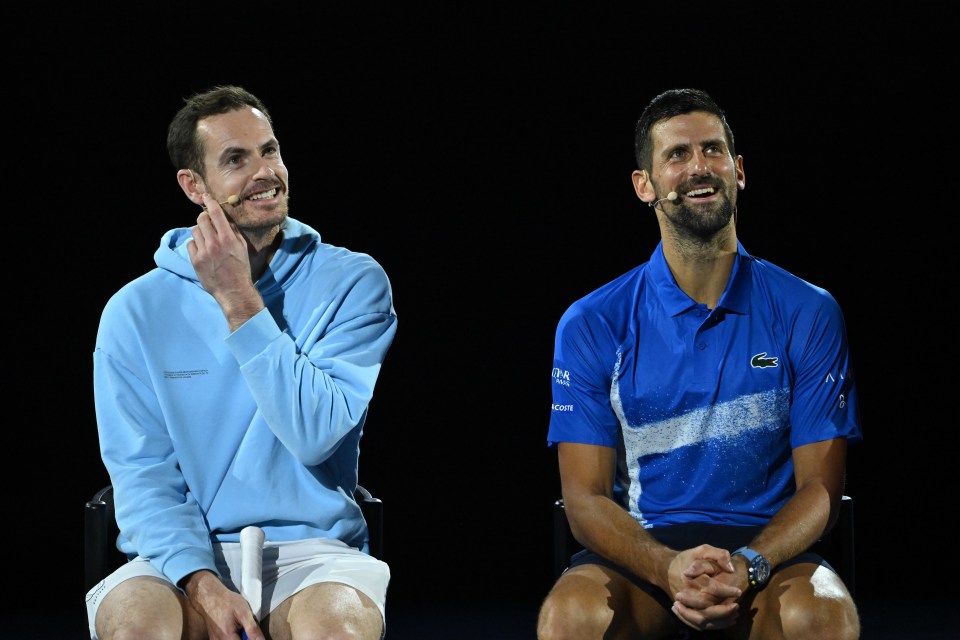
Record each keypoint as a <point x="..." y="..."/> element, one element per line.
<point x="183" y="143"/>
<point x="670" y="103"/>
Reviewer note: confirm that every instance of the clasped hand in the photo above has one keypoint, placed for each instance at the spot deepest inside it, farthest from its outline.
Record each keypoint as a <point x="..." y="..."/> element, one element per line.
<point x="703" y="581"/>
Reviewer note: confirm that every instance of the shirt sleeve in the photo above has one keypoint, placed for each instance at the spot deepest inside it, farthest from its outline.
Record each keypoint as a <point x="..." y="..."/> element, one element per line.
<point x="825" y="403"/>
<point x="583" y="366"/>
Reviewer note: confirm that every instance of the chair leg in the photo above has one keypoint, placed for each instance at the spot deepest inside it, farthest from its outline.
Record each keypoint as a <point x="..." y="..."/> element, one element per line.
<point x="95" y="543"/>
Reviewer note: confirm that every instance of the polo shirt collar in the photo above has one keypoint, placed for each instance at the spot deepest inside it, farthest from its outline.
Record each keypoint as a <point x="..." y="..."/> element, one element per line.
<point x="735" y="298"/>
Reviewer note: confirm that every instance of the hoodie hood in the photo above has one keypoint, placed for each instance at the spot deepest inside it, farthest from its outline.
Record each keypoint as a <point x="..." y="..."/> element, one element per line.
<point x="298" y="237"/>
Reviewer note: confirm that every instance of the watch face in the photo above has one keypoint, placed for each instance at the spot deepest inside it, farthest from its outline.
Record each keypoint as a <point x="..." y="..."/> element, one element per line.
<point x="761" y="570"/>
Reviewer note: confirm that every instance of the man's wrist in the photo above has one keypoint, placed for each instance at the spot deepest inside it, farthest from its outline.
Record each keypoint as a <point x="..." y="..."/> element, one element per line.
<point x="758" y="567"/>
<point x="191" y="583"/>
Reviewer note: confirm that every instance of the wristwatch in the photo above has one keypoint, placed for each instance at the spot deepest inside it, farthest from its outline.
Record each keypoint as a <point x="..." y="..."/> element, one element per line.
<point x="758" y="567"/>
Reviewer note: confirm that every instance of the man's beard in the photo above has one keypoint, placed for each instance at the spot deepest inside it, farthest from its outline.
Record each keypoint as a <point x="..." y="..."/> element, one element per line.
<point x="278" y="217"/>
<point x="701" y="222"/>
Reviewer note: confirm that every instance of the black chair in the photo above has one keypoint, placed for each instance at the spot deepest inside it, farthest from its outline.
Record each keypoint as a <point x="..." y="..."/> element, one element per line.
<point x="837" y="546"/>
<point x="101" y="556"/>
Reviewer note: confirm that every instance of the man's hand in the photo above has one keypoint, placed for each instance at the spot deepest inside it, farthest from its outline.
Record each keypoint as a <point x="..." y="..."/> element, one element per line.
<point x="221" y="258"/>
<point x="224" y="611"/>
<point x="702" y="580"/>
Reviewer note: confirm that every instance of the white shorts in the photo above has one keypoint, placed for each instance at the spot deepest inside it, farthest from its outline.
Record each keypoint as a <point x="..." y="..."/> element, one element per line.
<point x="288" y="567"/>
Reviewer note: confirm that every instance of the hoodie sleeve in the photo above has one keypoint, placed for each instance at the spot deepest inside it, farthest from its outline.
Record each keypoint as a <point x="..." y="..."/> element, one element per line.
<point x="139" y="454"/>
<point x="315" y="389"/>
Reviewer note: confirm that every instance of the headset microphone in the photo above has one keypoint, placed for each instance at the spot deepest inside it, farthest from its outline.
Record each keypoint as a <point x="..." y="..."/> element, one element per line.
<point x="672" y="196"/>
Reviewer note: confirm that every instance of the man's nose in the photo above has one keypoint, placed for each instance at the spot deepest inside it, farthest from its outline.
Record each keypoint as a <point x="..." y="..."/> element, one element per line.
<point x="698" y="163"/>
<point x="264" y="171"/>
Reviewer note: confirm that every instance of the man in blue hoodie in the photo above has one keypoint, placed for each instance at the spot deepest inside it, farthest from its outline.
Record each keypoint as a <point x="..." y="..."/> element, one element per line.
<point x="231" y="387"/>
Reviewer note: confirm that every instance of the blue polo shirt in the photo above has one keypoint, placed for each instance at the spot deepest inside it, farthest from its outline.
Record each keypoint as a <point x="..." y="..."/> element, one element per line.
<point x="704" y="406"/>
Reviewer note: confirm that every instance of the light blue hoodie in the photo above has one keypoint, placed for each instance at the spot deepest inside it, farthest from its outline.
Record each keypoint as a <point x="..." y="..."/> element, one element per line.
<point x="204" y="432"/>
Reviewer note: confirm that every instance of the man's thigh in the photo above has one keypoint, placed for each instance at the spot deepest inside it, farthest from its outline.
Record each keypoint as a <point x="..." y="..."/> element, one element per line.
<point x="798" y="597"/>
<point x="326" y="609"/>
<point x="601" y="602"/>
<point x="147" y="603"/>
<point x="135" y="596"/>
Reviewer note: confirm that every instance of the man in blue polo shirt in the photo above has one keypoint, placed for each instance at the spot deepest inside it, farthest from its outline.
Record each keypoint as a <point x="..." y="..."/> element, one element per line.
<point x="702" y="407"/>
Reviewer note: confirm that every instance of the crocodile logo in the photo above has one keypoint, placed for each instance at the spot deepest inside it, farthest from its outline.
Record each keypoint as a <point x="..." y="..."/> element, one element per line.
<point x="761" y="361"/>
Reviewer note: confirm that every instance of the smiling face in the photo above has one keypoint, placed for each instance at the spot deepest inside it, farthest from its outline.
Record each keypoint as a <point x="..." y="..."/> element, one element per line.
<point x="242" y="157"/>
<point x="691" y="157"/>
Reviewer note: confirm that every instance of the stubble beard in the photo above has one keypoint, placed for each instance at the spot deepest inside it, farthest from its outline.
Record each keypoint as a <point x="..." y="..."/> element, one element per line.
<point x="261" y="226"/>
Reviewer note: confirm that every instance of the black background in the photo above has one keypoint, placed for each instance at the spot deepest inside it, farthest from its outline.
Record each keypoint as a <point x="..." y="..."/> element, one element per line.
<point x="483" y="157"/>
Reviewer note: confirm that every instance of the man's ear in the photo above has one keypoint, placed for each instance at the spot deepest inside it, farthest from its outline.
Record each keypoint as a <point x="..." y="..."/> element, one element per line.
<point x="192" y="186"/>
<point x="643" y="187"/>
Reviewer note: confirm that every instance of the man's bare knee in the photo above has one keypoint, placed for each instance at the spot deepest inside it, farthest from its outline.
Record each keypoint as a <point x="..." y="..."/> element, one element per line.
<point x="826" y="619"/>
<point x="142" y="608"/>
<point x="332" y="611"/>
<point x="574" y="610"/>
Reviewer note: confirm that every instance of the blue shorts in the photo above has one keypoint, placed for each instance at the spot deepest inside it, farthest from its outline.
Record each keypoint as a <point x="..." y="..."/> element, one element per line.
<point x="687" y="536"/>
